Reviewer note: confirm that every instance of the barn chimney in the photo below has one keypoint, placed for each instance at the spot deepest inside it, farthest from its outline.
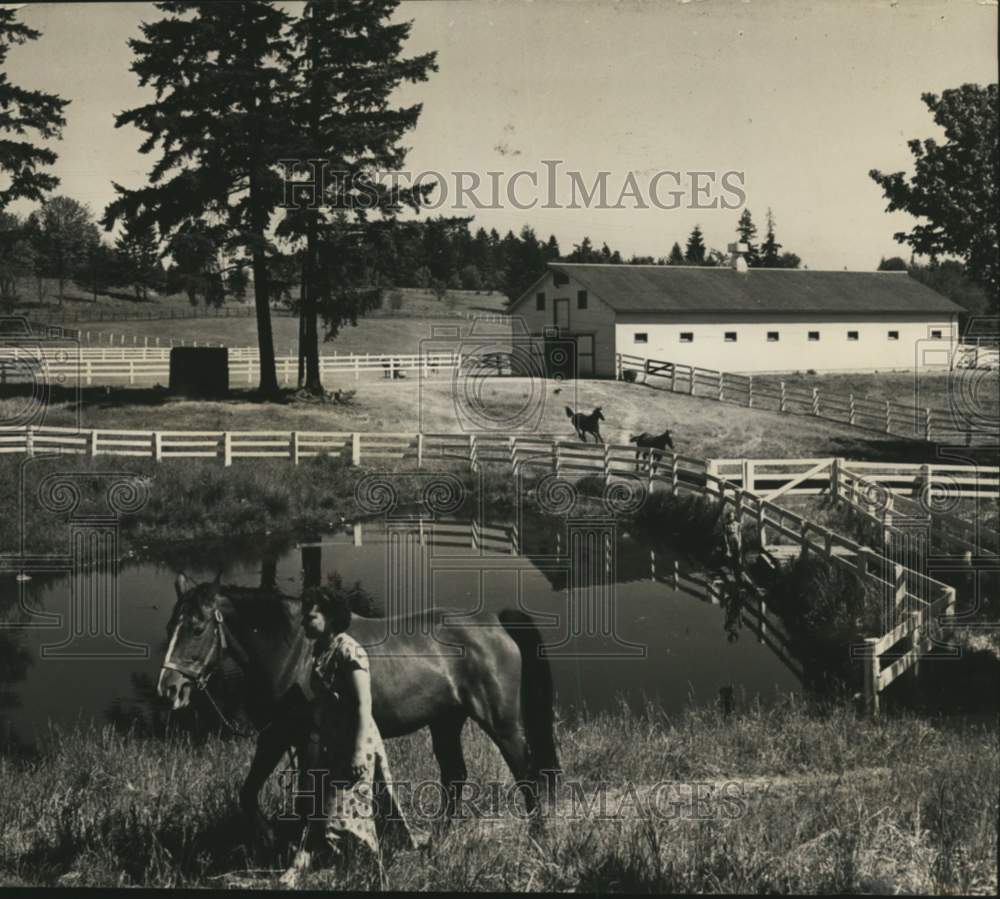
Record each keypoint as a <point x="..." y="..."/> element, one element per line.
<point x="737" y="259"/>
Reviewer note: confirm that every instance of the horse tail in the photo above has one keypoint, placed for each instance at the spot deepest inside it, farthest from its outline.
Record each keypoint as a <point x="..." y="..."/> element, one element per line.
<point x="537" y="693"/>
<point x="569" y="412"/>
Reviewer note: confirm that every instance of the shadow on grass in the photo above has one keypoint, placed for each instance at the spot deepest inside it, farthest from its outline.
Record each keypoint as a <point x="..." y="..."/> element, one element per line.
<point x="118" y="396"/>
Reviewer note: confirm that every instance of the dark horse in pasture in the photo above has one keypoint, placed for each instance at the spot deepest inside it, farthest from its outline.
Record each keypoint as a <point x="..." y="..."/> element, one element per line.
<point x="586" y="424"/>
<point x="654" y="444"/>
<point x="426" y="671"/>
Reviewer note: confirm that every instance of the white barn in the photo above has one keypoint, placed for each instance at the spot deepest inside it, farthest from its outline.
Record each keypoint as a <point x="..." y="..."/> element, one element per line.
<point x="756" y="320"/>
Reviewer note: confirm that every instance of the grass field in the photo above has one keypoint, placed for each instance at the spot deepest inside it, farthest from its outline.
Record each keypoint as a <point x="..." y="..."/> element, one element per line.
<point x="792" y="799"/>
<point x="973" y="392"/>
<point x="701" y="428"/>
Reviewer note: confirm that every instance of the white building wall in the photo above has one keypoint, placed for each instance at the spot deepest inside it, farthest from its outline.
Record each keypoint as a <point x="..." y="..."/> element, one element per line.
<point x="752" y="351"/>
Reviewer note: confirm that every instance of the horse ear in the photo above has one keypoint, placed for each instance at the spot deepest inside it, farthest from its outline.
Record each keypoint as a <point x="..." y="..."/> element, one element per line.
<point x="181" y="585"/>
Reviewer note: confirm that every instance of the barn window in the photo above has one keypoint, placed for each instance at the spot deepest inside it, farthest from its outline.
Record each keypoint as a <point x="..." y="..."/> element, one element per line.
<point x="687" y="336"/>
<point x="540" y="302"/>
<point x="641" y="337"/>
<point x="581" y="299"/>
<point x="560" y="278"/>
<point x="936" y="334"/>
<point x="772" y="336"/>
<point x="894" y="335"/>
<point x="814" y="335"/>
<point x="852" y="335"/>
<point x="730" y="337"/>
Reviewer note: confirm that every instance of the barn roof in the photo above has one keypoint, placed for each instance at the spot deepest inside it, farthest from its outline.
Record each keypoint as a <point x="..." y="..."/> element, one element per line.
<point x="667" y="288"/>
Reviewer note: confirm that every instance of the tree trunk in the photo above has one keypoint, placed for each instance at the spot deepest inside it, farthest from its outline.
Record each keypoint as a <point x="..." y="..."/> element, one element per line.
<point x="268" y="385"/>
<point x="302" y="327"/>
<point x="314" y="383"/>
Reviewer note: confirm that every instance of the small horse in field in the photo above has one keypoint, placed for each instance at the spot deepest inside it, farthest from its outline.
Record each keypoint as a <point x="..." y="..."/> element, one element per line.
<point x="655" y="442"/>
<point x="436" y="668"/>
<point x="586" y="424"/>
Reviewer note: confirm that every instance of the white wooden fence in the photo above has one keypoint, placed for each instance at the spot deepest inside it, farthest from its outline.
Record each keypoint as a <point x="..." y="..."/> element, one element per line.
<point x="244" y="367"/>
<point x="884" y="415"/>
<point x="917" y="601"/>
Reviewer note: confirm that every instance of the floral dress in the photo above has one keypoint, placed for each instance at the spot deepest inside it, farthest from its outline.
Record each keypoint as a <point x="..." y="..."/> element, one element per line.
<point x="363" y="810"/>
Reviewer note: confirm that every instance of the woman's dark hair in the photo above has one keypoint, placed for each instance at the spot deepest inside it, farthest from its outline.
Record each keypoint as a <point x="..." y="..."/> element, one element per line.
<point x="334" y="605"/>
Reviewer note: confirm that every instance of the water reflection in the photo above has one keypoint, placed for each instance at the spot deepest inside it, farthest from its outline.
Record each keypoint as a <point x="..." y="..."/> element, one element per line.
<point x="619" y="614"/>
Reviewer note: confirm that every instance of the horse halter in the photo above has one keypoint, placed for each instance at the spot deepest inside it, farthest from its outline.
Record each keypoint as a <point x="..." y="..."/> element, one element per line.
<point x="199" y="671"/>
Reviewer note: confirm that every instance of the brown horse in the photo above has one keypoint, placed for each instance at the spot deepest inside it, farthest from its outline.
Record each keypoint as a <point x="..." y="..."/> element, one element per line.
<point x="586" y="424"/>
<point x="654" y="444"/>
<point x="426" y="671"/>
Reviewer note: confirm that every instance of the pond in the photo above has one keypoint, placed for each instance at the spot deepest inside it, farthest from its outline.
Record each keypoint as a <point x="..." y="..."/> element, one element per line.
<point x="621" y="619"/>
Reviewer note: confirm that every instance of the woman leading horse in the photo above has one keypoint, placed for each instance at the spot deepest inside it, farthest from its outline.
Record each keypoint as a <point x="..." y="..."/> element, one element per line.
<point x="436" y="668"/>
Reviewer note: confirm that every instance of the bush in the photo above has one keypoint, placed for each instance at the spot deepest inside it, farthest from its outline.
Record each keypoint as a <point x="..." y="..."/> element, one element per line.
<point x="629" y="375"/>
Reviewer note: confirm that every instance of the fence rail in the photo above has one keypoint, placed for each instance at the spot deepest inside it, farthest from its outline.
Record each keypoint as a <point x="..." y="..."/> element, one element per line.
<point x="244" y="367"/>
<point x="883" y="415"/>
<point x="918" y="599"/>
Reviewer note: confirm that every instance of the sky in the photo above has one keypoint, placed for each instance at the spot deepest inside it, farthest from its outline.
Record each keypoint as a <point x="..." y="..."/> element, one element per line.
<point x="803" y="97"/>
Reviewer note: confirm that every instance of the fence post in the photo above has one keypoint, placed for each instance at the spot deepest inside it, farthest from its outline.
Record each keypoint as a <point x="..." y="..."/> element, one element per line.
<point x="888" y="417"/>
<point x="618" y="365"/>
<point x="555" y="458"/>
<point x="93" y="442"/>
<point x="761" y="526"/>
<point x="815" y="401"/>
<point x="871" y="675"/>
<point x="227" y="449"/>
<point x="750" y="391"/>
<point x="607" y="462"/>
<point x="851" y="420"/>
<point x="420" y="450"/>
<point x="673" y="473"/>
<point x="673" y="378"/>
<point x="748" y="475"/>
<point x="131" y="372"/>
<point x="357" y="370"/>
<point x="29" y="440"/>
<point x="157" y="446"/>
<point x="916" y="641"/>
<point x="472" y="451"/>
<point x="355" y="449"/>
<point x="721" y="386"/>
<point x="295" y="447"/>
<point x="927" y="424"/>
<point x="645" y="370"/>
<point x="691" y="371"/>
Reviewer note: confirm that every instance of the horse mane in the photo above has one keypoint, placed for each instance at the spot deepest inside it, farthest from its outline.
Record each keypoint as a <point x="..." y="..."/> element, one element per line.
<point x="262" y="606"/>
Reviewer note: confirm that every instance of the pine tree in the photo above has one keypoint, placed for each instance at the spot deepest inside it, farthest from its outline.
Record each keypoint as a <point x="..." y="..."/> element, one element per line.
<point x="347" y="65"/>
<point x="747" y="231"/>
<point x="676" y="256"/>
<point x="139" y="256"/>
<point x="219" y="74"/>
<point x="22" y="111"/>
<point x="695" y="252"/>
<point x="769" y="255"/>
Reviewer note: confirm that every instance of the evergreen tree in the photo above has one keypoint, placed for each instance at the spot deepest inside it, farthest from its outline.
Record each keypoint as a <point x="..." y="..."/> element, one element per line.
<point x="22" y="163"/>
<point x="746" y="231"/>
<point x="893" y="264"/>
<point x="695" y="252"/>
<point x="139" y="257"/>
<point x="552" y="249"/>
<point x="346" y="66"/>
<point x="769" y="256"/>
<point x="100" y="269"/>
<point x="676" y="256"/>
<point x="219" y="71"/>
